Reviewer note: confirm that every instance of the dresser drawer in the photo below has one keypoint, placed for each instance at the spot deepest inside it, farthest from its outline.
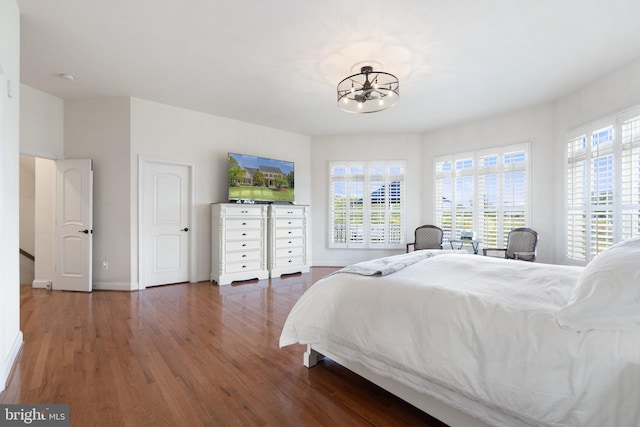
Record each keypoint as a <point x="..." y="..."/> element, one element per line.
<point x="289" y="252"/>
<point x="240" y="245"/>
<point x="242" y="256"/>
<point x="289" y="232"/>
<point x="244" y="235"/>
<point x="243" y="223"/>
<point x="285" y="211"/>
<point x="287" y="243"/>
<point x="243" y="211"/>
<point x="236" y="267"/>
<point x="284" y="262"/>
<point x="289" y="223"/>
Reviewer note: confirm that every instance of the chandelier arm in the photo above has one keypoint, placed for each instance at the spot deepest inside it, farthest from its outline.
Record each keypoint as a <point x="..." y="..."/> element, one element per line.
<point x="382" y="93"/>
<point x="353" y="80"/>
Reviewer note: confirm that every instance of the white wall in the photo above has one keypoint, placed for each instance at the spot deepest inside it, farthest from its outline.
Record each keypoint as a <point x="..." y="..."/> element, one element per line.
<point x="41" y="124"/>
<point x="535" y="124"/>
<point x="167" y="132"/>
<point x="99" y="129"/>
<point x="365" y="147"/>
<point x="10" y="334"/>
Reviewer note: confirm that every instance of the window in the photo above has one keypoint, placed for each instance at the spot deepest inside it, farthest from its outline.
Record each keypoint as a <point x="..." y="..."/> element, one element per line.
<point x="603" y="185"/>
<point x="366" y="206"/>
<point x="485" y="191"/>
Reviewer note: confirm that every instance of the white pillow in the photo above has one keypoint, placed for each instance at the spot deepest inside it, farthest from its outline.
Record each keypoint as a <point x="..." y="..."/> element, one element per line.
<point x="607" y="295"/>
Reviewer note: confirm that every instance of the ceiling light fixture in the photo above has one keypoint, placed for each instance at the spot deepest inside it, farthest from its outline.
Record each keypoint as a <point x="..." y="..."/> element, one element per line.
<point x="368" y="91"/>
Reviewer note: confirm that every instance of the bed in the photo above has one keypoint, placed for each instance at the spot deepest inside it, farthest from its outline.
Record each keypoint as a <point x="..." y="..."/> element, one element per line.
<point x="476" y="340"/>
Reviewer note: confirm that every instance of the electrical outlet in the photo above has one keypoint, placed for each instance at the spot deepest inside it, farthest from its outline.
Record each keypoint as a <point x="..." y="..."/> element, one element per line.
<point x="105" y="264"/>
<point x="49" y="285"/>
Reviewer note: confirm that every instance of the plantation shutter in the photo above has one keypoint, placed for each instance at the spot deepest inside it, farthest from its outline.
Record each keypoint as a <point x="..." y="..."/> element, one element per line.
<point x="576" y="198"/>
<point x="444" y="197"/>
<point x="377" y="192"/>
<point x="601" y="191"/>
<point x="490" y="199"/>
<point x="355" y="191"/>
<point x="394" y="204"/>
<point x="338" y="204"/>
<point x="514" y="192"/>
<point x="463" y="195"/>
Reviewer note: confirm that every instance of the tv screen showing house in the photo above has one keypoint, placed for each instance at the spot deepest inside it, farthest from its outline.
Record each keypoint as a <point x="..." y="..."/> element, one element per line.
<point x="260" y="179"/>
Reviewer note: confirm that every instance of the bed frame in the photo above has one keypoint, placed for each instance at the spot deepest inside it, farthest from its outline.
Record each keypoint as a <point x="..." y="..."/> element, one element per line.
<point x="434" y="407"/>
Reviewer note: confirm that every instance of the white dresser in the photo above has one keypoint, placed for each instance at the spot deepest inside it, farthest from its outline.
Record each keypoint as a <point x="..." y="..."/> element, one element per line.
<point x="288" y="240"/>
<point x="238" y="242"/>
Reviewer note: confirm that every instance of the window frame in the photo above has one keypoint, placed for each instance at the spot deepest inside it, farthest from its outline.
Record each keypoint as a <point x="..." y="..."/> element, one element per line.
<point x="584" y="237"/>
<point x="392" y="223"/>
<point x="479" y="172"/>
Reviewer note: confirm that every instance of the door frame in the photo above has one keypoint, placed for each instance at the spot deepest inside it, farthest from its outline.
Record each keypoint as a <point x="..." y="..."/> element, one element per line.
<point x="143" y="162"/>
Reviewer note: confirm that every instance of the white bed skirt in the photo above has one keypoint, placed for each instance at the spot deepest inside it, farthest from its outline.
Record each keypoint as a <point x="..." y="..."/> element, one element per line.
<point x="428" y="404"/>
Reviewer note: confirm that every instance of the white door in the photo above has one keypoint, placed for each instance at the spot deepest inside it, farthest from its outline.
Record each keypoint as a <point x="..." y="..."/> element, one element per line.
<point x="74" y="225"/>
<point x="167" y="213"/>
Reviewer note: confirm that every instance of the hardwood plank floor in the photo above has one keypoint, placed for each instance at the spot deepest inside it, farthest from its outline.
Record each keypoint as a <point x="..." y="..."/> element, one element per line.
<point x="188" y="355"/>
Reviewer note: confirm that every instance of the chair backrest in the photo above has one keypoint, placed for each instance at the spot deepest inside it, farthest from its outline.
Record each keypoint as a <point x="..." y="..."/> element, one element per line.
<point x="521" y="240"/>
<point x="428" y="237"/>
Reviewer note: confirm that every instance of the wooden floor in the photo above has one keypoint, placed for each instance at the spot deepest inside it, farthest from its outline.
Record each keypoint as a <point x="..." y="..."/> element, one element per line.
<point x="187" y="355"/>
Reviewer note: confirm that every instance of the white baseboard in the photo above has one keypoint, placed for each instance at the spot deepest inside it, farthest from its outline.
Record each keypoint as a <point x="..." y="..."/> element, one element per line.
<point x="115" y="286"/>
<point x="10" y="361"/>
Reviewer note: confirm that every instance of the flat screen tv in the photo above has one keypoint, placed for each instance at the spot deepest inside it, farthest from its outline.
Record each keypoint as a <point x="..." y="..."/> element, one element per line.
<point x="259" y="179"/>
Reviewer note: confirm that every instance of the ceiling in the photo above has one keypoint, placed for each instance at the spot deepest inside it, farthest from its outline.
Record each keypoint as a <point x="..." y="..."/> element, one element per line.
<point x="277" y="63"/>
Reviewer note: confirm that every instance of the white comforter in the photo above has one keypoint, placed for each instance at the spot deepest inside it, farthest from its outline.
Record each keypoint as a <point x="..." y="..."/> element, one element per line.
<point x="480" y="334"/>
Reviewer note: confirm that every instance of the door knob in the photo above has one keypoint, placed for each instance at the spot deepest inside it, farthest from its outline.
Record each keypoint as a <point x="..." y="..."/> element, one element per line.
<point x="84" y="231"/>
<point x="185" y="229"/>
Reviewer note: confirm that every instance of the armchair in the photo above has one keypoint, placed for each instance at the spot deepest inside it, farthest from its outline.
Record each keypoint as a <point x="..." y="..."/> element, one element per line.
<point x="427" y="237"/>
<point x="521" y="244"/>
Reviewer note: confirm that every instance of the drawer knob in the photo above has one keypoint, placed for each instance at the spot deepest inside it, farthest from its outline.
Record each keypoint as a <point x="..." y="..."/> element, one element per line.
<point x="290" y="242"/>
<point x="244" y="223"/>
<point x="244" y="234"/>
<point x="244" y="255"/>
<point x="244" y="266"/>
<point x="244" y="244"/>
